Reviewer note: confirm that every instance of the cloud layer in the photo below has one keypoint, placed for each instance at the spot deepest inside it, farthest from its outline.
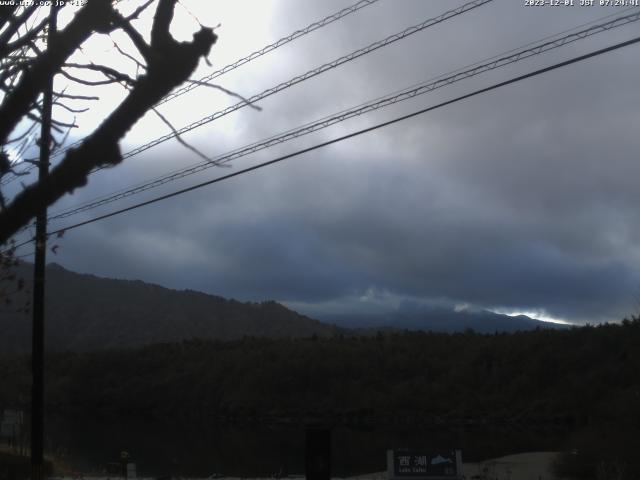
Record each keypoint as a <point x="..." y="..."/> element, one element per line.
<point x="521" y="199"/>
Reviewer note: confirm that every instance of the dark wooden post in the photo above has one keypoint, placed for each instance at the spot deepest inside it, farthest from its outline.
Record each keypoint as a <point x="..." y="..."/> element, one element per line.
<point x="318" y="454"/>
<point x="37" y="338"/>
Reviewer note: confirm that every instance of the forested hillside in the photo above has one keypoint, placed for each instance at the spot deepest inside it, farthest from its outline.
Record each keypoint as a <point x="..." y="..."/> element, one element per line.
<point x="571" y="377"/>
<point x="85" y="312"/>
<point x="583" y="382"/>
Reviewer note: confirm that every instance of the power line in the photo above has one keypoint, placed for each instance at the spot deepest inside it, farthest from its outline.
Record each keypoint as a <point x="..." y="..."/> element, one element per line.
<point x="312" y="73"/>
<point x="258" y="53"/>
<point x="443" y="80"/>
<point x="356" y="133"/>
<point x="238" y="63"/>
<point x="307" y="75"/>
<point x="269" y="48"/>
<point x="344" y="137"/>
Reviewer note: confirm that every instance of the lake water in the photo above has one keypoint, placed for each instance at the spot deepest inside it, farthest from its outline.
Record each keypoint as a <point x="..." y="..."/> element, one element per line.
<point x="177" y="450"/>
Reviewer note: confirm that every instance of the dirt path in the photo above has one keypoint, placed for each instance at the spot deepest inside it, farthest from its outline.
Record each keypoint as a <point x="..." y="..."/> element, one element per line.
<point x="522" y="466"/>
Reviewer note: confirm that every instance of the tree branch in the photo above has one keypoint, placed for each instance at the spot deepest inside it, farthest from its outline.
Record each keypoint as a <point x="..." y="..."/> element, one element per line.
<point x="14" y="25"/>
<point x="95" y="16"/>
<point x="24" y="40"/>
<point x="108" y="72"/>
<point x="172" y="63"/>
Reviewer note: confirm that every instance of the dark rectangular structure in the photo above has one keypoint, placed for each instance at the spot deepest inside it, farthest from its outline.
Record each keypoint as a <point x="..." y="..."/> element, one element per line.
<point x="318" y="454"/>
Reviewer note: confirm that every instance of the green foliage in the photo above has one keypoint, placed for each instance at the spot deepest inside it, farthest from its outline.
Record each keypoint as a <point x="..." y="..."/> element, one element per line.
<point x="567" y="377"/>
<point x="85" y="313"/>
<point x="583" y="380"/>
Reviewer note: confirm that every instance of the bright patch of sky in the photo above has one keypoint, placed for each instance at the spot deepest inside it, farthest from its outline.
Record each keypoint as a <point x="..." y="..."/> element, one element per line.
<point x="535" y="314"/>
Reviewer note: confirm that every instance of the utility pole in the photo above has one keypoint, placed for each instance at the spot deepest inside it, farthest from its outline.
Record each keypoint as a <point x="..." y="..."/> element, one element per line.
<point x="37" y="339"/>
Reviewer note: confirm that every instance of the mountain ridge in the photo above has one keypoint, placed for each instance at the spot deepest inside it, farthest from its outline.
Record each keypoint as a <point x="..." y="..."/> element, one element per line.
<point x="88" y="312"/>
<point x="441" y="320"/>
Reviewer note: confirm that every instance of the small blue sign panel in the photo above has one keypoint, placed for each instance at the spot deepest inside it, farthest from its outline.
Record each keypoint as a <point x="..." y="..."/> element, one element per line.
<point x="439" y="464"/>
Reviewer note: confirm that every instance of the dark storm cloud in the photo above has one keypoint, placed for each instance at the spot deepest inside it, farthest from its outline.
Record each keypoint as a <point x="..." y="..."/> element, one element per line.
<point x="521" y="199"/>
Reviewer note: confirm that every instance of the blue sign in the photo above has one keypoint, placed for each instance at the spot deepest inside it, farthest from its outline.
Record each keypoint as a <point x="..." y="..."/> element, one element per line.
<point x="414" y="464"/>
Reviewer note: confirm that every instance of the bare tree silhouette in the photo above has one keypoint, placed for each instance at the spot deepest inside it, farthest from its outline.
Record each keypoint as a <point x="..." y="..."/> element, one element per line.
<point x="27" y="62"/>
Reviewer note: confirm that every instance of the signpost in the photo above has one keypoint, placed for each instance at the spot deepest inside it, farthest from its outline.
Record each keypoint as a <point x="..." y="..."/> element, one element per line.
<point x="131" y="471"/>
<point x="124" y="462"/>
<point x="405" y="464"/>
<point x="318" y="454"/>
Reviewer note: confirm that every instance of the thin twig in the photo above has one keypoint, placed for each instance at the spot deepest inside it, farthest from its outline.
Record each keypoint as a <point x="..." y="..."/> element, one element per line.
<point x="75" y="97"/>
<point x="130" y="57"/>
<point x="106" y="71"/>
<point x="139" y="10"/>
<point x="90" y="83"/>
<point x="72" y="110"/>
<point x="228" y="92"/>
<point x="184" y="144"/>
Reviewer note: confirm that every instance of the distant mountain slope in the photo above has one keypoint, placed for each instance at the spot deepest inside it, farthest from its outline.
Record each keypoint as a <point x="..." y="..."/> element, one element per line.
<point x="85" y="312"/>
<point x="439" y="320"/>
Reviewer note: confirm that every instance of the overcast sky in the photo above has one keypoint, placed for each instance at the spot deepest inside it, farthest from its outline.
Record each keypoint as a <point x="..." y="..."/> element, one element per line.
<point x="524" y="199"/>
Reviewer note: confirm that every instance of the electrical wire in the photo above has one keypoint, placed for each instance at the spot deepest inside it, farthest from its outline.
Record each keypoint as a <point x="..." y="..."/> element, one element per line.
<point x="342" y="138"/>
<point x="307" y="75"/>
<point x="269" y="48"/>
<point x="356" y="133"/>
<point x="312" y="73"/>
<point x="382" y="102"/>
<point x="238" y="63"/>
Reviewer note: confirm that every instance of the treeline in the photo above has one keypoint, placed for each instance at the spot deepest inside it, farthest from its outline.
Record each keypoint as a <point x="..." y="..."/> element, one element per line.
<point x="569" y="377"/>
